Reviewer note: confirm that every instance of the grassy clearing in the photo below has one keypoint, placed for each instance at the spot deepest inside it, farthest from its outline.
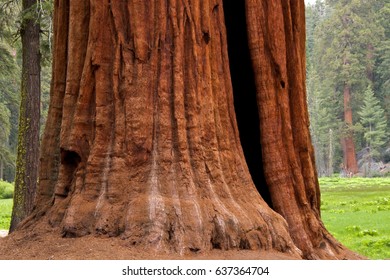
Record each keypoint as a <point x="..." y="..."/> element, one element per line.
<point x="357" y="212"/>
<point x="6" y="190"/>
<point x="5" y="213"/>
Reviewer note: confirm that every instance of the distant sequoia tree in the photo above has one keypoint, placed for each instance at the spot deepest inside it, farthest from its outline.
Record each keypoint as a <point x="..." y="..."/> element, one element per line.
<point x="182" y="126"/>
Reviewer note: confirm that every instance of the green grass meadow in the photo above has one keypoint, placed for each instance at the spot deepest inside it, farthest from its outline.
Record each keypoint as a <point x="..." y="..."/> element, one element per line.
<point x="5" y="212"/>
<point x="355" y="210"/>
<point x="6" y="194"/>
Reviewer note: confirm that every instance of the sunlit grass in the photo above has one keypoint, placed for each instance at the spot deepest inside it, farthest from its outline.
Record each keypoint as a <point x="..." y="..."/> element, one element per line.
<point x="357" y="212"/>
<point x="5" y="213"/>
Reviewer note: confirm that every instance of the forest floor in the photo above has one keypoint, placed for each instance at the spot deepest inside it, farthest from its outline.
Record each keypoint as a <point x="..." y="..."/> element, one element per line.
<point x="43" y="245"/>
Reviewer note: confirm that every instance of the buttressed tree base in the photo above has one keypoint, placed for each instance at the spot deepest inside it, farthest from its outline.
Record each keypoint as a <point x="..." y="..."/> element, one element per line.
<point x="147" y="140"/>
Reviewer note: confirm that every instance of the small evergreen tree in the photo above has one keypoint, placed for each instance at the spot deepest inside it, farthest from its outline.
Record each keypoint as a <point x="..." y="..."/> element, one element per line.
<point x="373" y="121"/>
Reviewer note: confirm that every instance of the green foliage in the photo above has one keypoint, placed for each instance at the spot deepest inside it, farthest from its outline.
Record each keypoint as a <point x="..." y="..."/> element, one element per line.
<point x="5" y="213"/>
<point x="8" y="88"/>
<point x="383" y="73"/>
<point x="5" y="126"/>
<point x="8" y="9"/>
<point x="324" y="124"/>
<point x="6" y="190"/>
<point x="45" y="15"/>
<point x="348" y="43"/>
<point x="372" y="119"/>
<point x="45" y="94"/>
<point x="370" y="232"/>
<point x="357" y="212"/>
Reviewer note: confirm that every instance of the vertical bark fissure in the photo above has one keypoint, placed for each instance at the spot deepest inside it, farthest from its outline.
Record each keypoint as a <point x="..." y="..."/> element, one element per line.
<point x="77" y="40"/>
<point x="154" y="197"/>
<point x="50" y="155"/>
<point x="177" y="90"/>
<point x="191" y="107"/>
<point x="70" y="142"/>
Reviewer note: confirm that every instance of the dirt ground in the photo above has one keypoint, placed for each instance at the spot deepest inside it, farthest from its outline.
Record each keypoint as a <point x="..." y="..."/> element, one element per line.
<point x="44" y="245"/>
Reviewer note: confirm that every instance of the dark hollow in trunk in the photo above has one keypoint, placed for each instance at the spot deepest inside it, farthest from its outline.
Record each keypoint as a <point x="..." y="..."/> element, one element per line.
<point x="244" y="92"/>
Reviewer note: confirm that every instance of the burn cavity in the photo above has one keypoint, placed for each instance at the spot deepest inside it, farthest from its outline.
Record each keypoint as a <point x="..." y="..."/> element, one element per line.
<point x="244" y="92"/>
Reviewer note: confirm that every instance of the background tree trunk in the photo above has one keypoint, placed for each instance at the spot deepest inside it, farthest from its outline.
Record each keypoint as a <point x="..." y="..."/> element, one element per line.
<point x="349" y="154"/>
<point x="330" y="157"/>
<point x="28" y="140"/>
<point x="1" y="168"/>
<point x="142" y="140"/>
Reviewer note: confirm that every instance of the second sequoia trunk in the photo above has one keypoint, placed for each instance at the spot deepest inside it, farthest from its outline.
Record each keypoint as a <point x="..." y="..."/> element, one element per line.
<point x="142" y="141"/>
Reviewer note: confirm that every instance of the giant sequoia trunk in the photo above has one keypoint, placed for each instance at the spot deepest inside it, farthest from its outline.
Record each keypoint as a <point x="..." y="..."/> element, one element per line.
<point x="142" y="140"/>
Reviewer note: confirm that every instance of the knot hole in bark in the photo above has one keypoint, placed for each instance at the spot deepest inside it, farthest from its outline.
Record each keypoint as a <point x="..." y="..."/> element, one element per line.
<point x="215" y="8"/>
<point x="244" y="92"/>
<point x="206" y="37"/>
<point x="69" y="163"/>
<point x="70" y="158"/>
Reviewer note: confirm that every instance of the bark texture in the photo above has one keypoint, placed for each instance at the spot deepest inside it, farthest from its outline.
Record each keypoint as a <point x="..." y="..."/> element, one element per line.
<point x="277" y="42"/>
<point x="141" y="137"/>
<point x="28" y="138"/>
<point x="142" y="141"/>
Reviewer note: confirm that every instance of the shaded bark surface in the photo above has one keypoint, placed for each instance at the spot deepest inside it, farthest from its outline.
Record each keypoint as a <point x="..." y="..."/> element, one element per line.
<point x="142" y="140"/>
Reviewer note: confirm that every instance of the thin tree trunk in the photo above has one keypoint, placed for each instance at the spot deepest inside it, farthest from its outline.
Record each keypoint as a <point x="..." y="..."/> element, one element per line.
<point x="370" y="62"/>
<point x="350" y="163"/>
<point x="330" y="157"/>
<point x="28" y="140"/>
<point x="1" y="169"/>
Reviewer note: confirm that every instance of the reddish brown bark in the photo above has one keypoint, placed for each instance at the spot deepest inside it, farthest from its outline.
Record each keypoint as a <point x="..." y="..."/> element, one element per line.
<point x="288" y="156"/>
<point x="348" y="145"/>
<point x="142" y="140"/>
<point x="146" y="129"/>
